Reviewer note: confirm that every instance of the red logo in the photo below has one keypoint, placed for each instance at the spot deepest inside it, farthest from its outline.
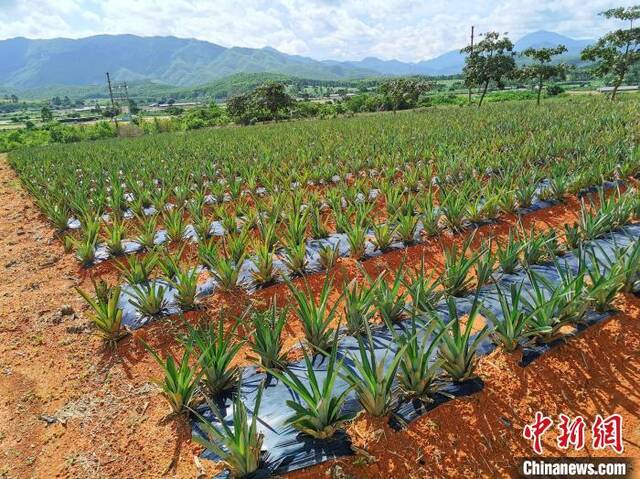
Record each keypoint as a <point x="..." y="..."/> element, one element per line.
<point x="605" y="432"/>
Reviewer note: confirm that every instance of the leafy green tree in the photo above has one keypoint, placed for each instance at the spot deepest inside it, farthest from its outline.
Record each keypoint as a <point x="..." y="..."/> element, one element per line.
<point x="133" y="107"/>
<point x="272" y="97"/>
<point x="404" y="91"/>
<point x="263" y="103"/>
<point x="618" y="51"/>
<point x="46" y="115"/>
<point x="195" y="118"/>
<point x="490" y="60"/>
<point x="238" y="105"/>
<point x="541" y="69"/>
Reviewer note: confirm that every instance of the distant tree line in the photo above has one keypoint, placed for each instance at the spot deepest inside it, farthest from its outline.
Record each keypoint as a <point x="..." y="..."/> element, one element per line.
<point x="54" y="132"/>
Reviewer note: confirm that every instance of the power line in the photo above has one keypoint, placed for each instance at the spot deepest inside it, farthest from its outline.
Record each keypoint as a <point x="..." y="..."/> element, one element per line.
<point x="113" y="101"/>
<point x="119" y="95"/>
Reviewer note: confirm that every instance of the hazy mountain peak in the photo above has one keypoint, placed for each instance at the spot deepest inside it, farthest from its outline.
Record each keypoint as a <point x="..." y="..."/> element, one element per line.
<point x="543" y="38"/>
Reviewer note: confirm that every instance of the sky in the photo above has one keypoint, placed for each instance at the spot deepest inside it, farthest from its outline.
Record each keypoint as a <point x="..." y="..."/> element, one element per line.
<point x="407" y="30"/>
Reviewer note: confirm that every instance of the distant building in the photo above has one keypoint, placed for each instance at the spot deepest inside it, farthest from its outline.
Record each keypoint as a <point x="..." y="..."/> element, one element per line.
<point x="609" y="89"/>
<point x="164" y="106"/>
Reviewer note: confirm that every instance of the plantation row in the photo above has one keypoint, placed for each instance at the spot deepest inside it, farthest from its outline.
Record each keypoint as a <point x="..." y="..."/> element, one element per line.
<point x="252" y="192"/>
<point x="399" y="340"/>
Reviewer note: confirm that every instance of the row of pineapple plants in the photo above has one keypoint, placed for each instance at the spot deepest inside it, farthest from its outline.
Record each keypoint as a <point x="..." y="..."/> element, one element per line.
<point x="417" y="368"/>
<point x="153" y="169"/>
<point x="226" y="267"/>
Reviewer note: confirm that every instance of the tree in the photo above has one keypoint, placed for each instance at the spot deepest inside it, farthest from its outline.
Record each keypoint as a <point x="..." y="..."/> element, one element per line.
<point x="263" y="103"/>
<point x="272" y="97"/>
<point x="542" y="69"/>
<point x="46" y="115"/>
<point x="238" y="105"/>
<point x="133" y="107"/>
<point x="617" y="51"/>
<point x="404" y="91"/>
<point x="490" y="60"/>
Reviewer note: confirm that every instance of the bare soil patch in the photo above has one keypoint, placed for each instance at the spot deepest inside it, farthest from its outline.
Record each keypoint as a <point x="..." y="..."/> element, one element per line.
<point x="69" y="408"/>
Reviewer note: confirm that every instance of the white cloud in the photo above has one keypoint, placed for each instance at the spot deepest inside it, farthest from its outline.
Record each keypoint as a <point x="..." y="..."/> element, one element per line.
<point x="408" y="30"/>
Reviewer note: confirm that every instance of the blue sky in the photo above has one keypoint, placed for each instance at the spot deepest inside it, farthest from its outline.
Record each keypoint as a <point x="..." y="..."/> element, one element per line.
<point x="409" y="30"/>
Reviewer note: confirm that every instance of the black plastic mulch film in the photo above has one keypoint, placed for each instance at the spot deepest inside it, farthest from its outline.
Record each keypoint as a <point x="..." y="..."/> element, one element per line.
<point x="287" y="450"/>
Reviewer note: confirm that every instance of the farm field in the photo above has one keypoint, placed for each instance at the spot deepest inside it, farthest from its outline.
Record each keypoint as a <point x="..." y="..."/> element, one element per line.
<point x="488" y="253"/>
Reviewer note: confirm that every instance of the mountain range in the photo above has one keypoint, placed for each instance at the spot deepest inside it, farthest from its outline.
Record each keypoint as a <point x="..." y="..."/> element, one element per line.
<point x="451" y="63"/>
<point x="27" y="64"/>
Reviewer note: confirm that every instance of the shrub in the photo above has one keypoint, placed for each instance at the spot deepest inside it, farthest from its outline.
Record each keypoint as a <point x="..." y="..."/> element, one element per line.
<point x="554" y="90"/>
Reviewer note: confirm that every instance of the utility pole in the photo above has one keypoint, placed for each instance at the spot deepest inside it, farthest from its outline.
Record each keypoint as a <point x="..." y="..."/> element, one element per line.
<point x="472" y="31"/>
<point x="113" y="103"/>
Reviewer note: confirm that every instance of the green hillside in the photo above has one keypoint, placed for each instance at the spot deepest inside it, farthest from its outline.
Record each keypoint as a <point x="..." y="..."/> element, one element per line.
<point x="29" y="64"/>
